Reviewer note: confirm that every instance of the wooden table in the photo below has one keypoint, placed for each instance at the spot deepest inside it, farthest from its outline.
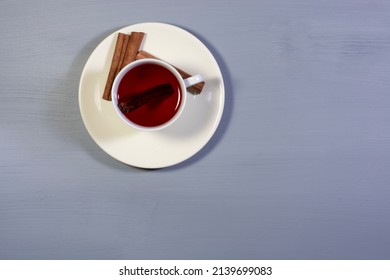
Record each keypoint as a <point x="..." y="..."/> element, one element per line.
<point x="298" y="168"/>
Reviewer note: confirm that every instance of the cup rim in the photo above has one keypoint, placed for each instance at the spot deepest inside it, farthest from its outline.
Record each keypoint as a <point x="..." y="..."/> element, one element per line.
<point x="134" y="64"/>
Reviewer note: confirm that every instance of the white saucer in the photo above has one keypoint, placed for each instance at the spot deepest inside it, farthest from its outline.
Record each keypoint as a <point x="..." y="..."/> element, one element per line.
<point x="180" y="141"/>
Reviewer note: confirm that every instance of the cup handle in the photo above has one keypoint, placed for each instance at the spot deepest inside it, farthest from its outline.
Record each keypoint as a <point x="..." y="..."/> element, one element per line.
<point x="189" y="82"/>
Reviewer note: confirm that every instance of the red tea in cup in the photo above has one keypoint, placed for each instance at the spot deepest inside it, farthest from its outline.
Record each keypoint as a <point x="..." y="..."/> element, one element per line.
<point x="164" y="92"/>
<point x="150" y="94"/>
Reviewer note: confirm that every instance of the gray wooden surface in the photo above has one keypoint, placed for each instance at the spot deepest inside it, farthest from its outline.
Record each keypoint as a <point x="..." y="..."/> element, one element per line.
<point x="298" y="169"/>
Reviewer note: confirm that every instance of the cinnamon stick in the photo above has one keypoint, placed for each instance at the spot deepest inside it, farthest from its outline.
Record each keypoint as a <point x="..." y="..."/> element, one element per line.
<point x="123" y="53"/>
<point x="195" y="89"/>
<point x="132" y="49"/>
<point x="114" y="65"/>
<point x="126" y="49"/>
<point x="155" y="93"/>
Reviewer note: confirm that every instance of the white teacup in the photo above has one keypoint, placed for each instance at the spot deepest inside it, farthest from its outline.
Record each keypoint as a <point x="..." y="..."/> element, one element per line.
<point x="167" y="89"/>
